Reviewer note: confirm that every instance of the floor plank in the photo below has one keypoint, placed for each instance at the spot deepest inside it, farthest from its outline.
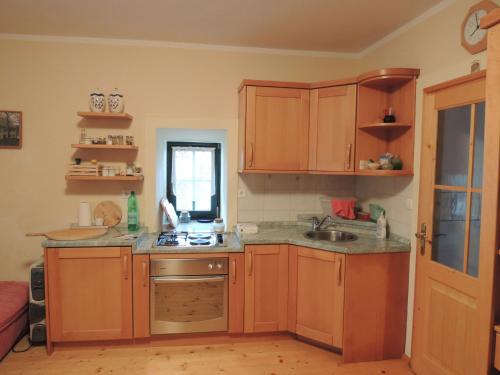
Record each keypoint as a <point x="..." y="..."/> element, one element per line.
<point x="275" y="357"/>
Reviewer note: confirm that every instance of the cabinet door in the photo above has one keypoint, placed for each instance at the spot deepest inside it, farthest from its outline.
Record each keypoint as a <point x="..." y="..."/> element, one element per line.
<point x="236" y="292"/>
<point x="266" y="288"/>
<point x="141" y="295"/>
<point x="277" y="127"/>
<point x="317" y="295"/>
<point x="90" y="293"/>
<point x="332" y="129"/>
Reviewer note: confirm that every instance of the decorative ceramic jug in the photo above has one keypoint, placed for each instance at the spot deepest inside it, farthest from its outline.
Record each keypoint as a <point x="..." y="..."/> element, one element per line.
<point x="97" y="101"/>
<point x="115" y="102"/>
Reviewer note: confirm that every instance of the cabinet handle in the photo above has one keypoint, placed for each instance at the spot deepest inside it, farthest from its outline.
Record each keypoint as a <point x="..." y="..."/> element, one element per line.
<point x="251" y="155"/>
<point x="233" y="271"/>
<point x="348" y="159"/>
<point x="144" y="275"/>
<point x="339" y="273"/>
<point x="125" y="267"/>
<point x="250" y="263"/>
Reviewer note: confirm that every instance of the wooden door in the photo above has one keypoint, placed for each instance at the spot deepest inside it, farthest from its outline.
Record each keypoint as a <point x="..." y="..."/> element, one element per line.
<point x="446" y="316"/>
<point x="140" y="278"/>
<point x="316" y="302"/>
<point x="236" y="292"/>
<point x="332" y="129"/>
<point x="90" y="293"/>
<point x="266" y="288"/>
<point x="277" y="127"/>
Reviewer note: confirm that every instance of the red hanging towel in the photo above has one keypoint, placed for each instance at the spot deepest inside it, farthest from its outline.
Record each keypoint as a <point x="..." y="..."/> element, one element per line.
<point x="344" y="208"/>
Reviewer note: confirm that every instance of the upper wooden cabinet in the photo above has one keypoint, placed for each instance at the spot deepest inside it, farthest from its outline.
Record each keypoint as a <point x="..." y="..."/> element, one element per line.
<point x="332" y="129"/>
<point x="90" y="293"/>
<point x="327" y="127"/>
<point x="266" y="288"/>
<point x="276" y="128"/>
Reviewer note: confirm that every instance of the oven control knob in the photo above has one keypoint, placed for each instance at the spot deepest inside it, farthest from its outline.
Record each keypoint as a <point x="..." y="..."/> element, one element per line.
<point x="219" y="266"/>
<point x="210" y="266"/>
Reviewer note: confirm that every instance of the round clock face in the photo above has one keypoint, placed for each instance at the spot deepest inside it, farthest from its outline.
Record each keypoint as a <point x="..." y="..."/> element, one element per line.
<point x="473" y="34"/>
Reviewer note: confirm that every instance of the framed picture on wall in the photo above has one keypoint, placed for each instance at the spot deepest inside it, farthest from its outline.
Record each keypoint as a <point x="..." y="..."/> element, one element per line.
<point x="11" y="129"/>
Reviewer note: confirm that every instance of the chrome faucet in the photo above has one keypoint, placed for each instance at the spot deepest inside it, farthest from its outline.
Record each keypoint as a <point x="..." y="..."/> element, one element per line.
<point x="316" y="223"/>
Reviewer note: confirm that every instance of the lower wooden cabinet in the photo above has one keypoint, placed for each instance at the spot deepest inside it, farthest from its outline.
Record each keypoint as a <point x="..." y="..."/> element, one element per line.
<point x="316" y="295"/>
<point x="89" y="293"/>
<point x="266" y="288"/>
<point x="141" y="295"/>
<point x="236" y="292"/>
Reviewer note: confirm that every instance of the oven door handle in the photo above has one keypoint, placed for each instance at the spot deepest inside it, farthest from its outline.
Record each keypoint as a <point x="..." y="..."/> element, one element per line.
<point x="186" y="279"/>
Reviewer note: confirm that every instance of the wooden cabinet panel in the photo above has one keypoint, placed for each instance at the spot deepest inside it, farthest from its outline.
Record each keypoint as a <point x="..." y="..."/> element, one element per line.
<point x="332" y="129"/>
<point x="141" y="295"/>
<point x="317" y="294"/>
<point x="266" y="288"/>
<point x="277" y="123"/>
<point x="236" y="292"/>
<point x="90" y="293"/>
<point x="376" y="298"/>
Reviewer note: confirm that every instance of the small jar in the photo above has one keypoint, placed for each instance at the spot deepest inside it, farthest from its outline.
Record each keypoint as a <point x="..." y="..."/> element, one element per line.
<point x="218" y="225"/>
<point x="184" y="217"/>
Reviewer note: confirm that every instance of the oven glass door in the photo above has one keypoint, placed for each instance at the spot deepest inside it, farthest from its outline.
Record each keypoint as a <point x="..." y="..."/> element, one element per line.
<point x="185" y="304"/>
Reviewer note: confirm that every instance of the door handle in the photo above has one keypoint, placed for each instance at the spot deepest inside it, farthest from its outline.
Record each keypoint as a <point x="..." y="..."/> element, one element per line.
<point x="348" y="158"/>
<point x="233" y="271"/>
<point x="339" y="272"/>
<point x="251" y="155"/>
<point x="144" y="275"/>
<point x="250" y="263"/>
<point x="422" y="237"/>
<point x="125" y="267"/>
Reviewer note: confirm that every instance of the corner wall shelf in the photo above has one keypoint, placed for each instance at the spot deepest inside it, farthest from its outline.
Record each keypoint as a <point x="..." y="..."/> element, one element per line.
<point x="385" y="125"/>
<point x="104" y="178"/>
<point x="105" y="115"/>
<point x="382" y="172"/>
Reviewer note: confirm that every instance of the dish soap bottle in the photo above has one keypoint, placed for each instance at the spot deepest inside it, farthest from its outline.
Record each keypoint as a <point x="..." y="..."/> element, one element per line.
<point x="382" y="226"/>
<point x="132" y="212"/>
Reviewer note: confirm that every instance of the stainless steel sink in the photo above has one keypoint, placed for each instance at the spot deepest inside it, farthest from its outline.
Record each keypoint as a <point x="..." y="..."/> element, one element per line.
<point x="330" y="235"/>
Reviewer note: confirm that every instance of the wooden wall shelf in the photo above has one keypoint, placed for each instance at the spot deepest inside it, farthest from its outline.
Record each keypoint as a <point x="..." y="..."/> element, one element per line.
<point x="386" y="173"/>
<point x="105" y="115"/>
<point x="105" y="178"/>
<point x="104" y="147"/>
<point x="385" y="125"/>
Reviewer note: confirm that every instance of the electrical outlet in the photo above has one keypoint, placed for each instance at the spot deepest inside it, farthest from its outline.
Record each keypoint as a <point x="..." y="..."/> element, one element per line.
<point x="242" y="193"/>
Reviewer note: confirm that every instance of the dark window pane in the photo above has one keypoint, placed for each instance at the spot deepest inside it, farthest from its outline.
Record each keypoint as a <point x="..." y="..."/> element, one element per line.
<point x="477" y="175"/>
<point x="453" y="146"/>
<point x="449" y="228"/>
<point x="475" y="226"/>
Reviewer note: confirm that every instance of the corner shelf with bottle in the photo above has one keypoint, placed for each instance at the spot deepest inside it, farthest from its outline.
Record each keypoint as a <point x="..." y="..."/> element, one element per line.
<point x="385" y="124"/>
<point x="92" y="170"/>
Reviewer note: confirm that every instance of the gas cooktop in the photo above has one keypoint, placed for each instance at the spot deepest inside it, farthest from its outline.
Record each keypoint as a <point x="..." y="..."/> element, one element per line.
<point x="186" y="239"/>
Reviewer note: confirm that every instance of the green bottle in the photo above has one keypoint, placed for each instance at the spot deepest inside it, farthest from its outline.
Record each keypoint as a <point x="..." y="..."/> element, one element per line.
<point x="133" y="213"/>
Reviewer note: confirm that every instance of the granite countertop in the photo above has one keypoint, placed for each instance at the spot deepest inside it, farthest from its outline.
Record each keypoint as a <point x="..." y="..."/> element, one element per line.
<point x="117" y="236"/>
<point x="293" y="233"/>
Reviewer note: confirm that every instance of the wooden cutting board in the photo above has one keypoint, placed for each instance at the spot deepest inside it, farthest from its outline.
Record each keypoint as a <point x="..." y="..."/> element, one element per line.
<point x="72" y="234"/>
<point x="110" y="212"/>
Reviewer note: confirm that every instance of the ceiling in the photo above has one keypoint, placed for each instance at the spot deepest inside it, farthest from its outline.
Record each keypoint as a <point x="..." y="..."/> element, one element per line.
<point x="312" y="25"/>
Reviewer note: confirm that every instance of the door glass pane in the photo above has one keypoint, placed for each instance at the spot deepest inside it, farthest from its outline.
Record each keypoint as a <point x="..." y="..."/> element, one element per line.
<point x="477" y="175"/>
<point x="475" y="226"/>
<point x="453" y="146"/>
<point x="194" y="301"/>
<point x="449" y="228"/>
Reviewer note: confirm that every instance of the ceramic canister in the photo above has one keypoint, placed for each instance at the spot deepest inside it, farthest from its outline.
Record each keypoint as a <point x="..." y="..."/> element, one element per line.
<point x="97" y="102"/>
<point x="84" y="216"/>
<point x="115" y="102"/>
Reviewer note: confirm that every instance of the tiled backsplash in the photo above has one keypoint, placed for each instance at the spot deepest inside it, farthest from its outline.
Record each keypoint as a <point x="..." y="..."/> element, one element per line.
<point x="282" y="197"/>
<point x="277" y="197"/>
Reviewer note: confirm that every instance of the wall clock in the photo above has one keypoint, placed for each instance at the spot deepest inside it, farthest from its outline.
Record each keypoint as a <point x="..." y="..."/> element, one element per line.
<point x="473" y="37"/>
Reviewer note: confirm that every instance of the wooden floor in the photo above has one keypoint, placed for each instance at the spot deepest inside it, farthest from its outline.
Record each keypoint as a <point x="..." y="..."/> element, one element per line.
<point x="279" y="356"/>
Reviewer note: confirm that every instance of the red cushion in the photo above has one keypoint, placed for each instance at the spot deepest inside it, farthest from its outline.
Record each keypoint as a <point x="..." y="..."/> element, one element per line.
<point x="13" y="301"/>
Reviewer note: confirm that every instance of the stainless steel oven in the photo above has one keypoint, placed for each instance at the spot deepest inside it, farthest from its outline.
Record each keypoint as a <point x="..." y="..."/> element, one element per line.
<point x="189" y="295"/>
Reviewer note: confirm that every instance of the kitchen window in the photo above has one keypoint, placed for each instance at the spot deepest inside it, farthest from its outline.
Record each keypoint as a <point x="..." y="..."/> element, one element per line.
<point x="193" y="178"/>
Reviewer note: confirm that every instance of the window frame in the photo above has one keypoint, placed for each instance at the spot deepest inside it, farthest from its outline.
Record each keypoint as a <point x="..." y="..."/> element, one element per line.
<point x="216" y="198"/>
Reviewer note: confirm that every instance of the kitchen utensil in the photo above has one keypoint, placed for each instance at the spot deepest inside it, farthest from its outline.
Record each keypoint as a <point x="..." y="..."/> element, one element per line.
<point x="84" y="217"/>
<point x="110" y="212"/>
<point x="169" y="211"/>
<point x="375" y="211"/>
<point x="72" y="234"/>
<point x="373" y="166"/>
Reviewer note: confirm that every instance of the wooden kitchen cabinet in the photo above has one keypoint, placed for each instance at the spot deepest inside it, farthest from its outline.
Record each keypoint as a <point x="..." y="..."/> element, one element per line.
<point x="89" y="293"/>
<point x="274" y="127"/>
<point x="236" y="292"/>
<point x="332" y="129"/>
<point x="140" y="279"/>
<point x="316" y="295"/>
<point x="266" y="288"/>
